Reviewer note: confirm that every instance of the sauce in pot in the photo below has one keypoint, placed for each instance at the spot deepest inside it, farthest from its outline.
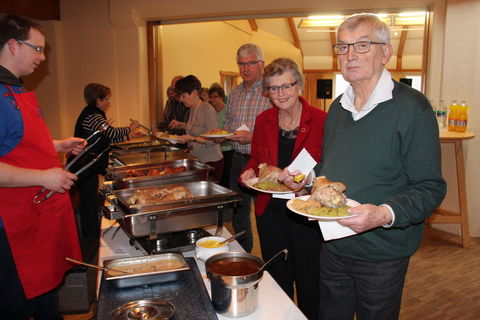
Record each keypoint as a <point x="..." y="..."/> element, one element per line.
<point x="234" y="267"/>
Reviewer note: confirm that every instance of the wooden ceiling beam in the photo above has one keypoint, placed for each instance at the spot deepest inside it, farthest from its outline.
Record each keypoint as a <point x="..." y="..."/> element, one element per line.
<point x="253" y="24"/>
<point x="333" y="40"/>
<point x="401" y="48"/>
<point x="35" y="9"/>
<point x="293" y="31"/>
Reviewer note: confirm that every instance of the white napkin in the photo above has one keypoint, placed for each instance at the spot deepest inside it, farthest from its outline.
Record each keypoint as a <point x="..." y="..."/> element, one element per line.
<point x="331" y="229"/>
<point x="243" y="127"/>
<point x="304" y="163"/>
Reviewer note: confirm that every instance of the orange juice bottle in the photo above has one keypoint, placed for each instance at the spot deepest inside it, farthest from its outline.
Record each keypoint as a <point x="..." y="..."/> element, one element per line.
<point x="462" y="119"/>
<point x="452" y="116"/>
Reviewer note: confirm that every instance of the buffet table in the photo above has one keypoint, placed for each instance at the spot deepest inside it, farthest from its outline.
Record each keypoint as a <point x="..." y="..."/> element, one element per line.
<point x="273" y="303"/>
<point x="447" y="216"/>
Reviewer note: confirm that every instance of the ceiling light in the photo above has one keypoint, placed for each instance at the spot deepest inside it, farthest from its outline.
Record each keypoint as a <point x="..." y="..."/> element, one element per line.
<point x="410" y="19"/>
<point x="401" y="19"/>
<point x="321" y="21"/>
<point x="410" y="14"/>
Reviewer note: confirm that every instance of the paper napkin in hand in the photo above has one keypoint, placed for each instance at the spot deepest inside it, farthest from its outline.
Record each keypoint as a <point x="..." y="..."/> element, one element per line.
<point x="243" y="127"/>
<point x="304" y="163"/>
<point x="331" y="229"/>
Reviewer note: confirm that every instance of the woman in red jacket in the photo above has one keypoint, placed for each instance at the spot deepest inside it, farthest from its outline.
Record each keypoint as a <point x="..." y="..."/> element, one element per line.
<point x="279" y="135"/>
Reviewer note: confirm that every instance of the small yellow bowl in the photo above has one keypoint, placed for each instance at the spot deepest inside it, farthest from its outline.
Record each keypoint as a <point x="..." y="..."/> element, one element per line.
<point x="209" y="246"/>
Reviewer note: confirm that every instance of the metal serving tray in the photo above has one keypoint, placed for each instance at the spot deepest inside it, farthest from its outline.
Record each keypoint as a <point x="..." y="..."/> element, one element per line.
<point x="207" y="207"/>
<point x="196" y="171"/>
<point x="148" y="155"/>
<point x="203" y="192"/>
<point x="140" y="144"/>
<point x="144" y="277"/>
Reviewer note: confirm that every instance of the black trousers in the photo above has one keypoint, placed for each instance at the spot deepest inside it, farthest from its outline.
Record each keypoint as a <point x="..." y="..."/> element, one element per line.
<point x="371" y="289"/>
<point x="13" y="303"/>
<point x="227" y="165"/>
<point x="279" y="228"/>
<point x="241" y="218"/>
<point x="88" y="206"/>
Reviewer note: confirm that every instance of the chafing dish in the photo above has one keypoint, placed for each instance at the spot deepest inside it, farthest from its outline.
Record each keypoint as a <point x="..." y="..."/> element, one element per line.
<point x="139" y="145"/>
<point x="195" y="171"/>
<point x="205" y="208"/>
<point x="144" y="270"/>
<point x="148" y="155"/>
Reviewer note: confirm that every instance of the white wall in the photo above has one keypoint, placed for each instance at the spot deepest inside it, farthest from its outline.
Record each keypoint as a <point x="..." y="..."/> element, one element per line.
<point x="204" y="49"/>
<point x="460" y="79"/>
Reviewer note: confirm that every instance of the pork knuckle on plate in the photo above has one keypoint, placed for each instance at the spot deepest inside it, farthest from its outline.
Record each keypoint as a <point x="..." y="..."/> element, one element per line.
<point x="268" y="173"/>
<point x="329" y="193"/>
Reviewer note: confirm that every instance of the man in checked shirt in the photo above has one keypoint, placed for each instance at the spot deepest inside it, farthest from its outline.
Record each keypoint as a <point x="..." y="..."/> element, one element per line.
<point x="245" y="102"/>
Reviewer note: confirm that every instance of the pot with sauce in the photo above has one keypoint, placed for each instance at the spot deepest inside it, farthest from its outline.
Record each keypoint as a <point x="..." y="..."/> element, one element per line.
<point x="234" y="278"/>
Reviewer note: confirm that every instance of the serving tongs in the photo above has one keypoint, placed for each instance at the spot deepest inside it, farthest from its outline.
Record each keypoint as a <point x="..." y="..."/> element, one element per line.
<point x="42" y="192"/>
<point x="96" y="266"/>
<point x="149" y="131"/>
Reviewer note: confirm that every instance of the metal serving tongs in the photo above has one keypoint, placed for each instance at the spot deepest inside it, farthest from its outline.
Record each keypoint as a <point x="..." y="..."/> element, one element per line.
<point x="38" y="198"/>
<point x="149" y="131"/>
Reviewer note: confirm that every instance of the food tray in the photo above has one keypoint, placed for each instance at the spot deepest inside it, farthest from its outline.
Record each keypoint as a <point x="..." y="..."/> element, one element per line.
<point x="188" y="294"/>
<point x="203" y="192"/>
<point x="196" y="171"/>
<point x="148" y="155"/>
<point x="209" y="205"/>
<point x="138" y="145"/>
<point x="167" y="268"/>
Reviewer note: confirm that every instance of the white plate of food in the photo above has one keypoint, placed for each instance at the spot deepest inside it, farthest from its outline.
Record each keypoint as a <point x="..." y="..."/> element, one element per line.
<point x="216" y="133"/>
<point x="272" y="188"/>
<point x="313" y="210"/>
<point x="172" y="140"/>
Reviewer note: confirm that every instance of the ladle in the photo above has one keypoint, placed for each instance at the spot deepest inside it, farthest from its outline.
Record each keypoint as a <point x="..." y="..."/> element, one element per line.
<point x="233" y="237"/>
<point x="272" y="258"/>
<point x="95" y="266"/>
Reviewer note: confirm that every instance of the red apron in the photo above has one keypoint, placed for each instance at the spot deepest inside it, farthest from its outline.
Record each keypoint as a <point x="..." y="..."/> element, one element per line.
<point x="40" y="235"/>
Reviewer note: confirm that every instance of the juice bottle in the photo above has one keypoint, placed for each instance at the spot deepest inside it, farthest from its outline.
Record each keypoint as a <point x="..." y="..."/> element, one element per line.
<point x="462" y="119"/>
<point x="452" y="116"/>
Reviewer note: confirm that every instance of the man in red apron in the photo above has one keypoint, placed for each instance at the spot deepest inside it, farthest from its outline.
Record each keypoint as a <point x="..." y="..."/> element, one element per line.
<point x="35" y="239"/>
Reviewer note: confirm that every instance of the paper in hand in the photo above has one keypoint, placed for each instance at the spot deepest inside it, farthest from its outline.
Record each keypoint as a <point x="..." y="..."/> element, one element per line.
<point x="305" y="163"/>
<point x="331" y="229"/>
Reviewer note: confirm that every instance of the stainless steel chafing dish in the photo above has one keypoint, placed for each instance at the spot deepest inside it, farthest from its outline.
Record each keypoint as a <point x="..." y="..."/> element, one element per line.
<point x="148" y="155"/>
<point x="140" y="144"/>
<point x="145" y="269"/>
<point x="205" y="208"/>
<point x="195" y="171"/>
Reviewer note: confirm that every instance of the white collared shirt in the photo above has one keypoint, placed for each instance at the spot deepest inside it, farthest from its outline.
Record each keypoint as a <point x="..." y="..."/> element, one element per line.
<point x="382" y="92"/>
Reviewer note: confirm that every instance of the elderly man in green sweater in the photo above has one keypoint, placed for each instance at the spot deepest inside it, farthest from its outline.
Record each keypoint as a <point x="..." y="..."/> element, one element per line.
<point x="381" y="140"/>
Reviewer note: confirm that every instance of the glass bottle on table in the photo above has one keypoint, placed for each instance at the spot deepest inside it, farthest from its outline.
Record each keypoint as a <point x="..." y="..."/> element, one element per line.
<point x="441" y="114"/>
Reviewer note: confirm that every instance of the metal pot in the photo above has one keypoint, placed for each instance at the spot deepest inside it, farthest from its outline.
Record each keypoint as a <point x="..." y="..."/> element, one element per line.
<point x="234" y="278"/>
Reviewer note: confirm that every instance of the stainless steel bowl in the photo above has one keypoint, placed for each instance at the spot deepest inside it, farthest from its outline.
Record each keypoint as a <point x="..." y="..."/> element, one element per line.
<point x="148" y="309"/>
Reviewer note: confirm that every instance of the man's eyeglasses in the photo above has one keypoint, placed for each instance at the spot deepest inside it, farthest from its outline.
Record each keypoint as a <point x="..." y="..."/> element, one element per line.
<point x="39" y="50"/>
<point x="359" y="47"/>
<point x="249" y="63"/>
<point x="284" y="87"/>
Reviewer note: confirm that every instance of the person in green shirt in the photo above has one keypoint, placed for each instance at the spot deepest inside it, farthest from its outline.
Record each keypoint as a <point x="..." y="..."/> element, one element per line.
<point x="381" y="140"/>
